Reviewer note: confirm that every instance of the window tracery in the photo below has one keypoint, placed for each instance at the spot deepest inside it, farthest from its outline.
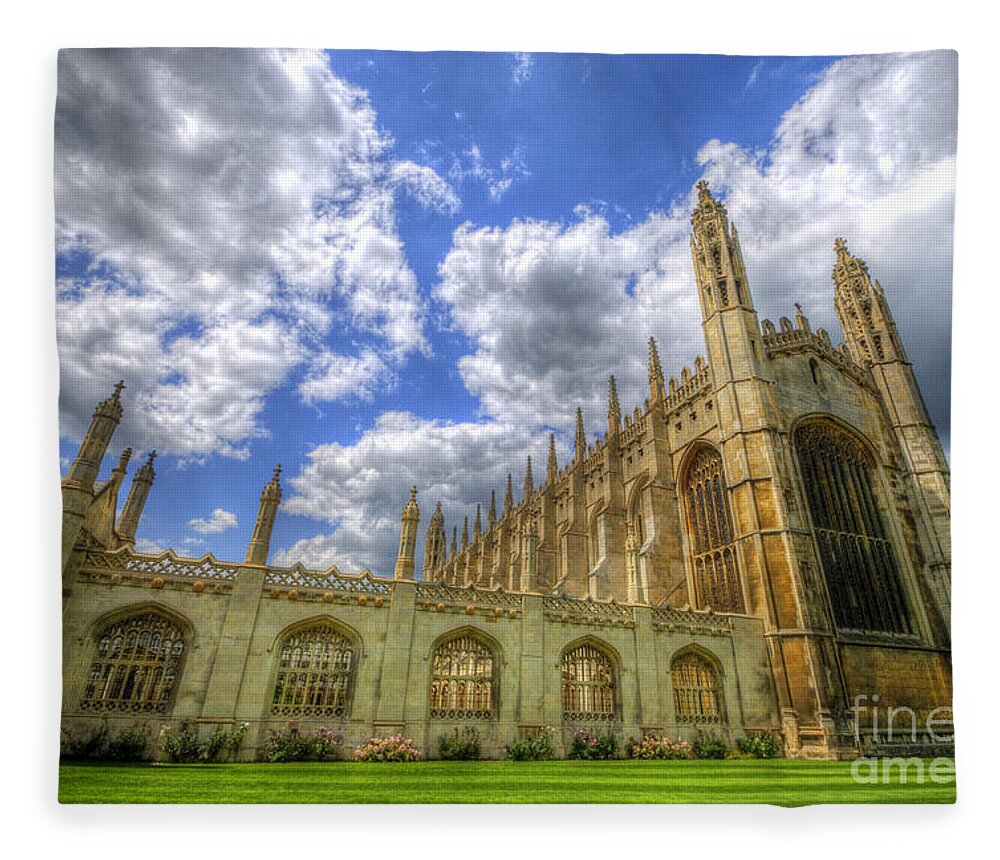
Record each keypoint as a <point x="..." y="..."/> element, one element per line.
<point x="697" y="698"/>
<point x="463" y="680"/>
<point x="136" y="666"/>
<point x="858" y="560"/>
<point x="588" y="685"/>
<point x="315" y="677"/>
<point x="716" y="571"/>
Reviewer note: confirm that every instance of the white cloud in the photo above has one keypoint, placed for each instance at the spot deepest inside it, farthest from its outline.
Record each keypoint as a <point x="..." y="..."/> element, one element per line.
<point x="153" y="547"/>
<point x="471" y="164"/>
<point x="360" y="489"/>
<point x="522" y="68"/>
<point x="234" y="205"/>
<point x="868" y="153"/>
<point x="333" y="376"/>
<point x="218" y="521"/>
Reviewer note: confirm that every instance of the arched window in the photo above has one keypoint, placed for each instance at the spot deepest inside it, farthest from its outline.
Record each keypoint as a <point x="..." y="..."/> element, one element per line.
<point x="315" y="676"/>
<point x="588" y="684"/>
<point x="594" y="543"/>
<point x="136" y="665"/>
<point x="716" y="573"/>
<point x="858" y="560"/>
<point x="463" y="680"/>
<point x="697" y="698"/>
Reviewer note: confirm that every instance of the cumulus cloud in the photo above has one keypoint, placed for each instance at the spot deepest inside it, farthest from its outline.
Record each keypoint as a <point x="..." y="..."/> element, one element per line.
<point x="868" y="153"/>
<point x="218" y="211"/>
<point x="218" y="521"/>
<point x="360" y="489"/>
<point x="551" y="309"/>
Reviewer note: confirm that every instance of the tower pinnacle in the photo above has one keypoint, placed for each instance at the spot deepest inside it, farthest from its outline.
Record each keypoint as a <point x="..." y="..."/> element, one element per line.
<point x="552" y="467"/>
<point x="581" y="437"/>
<point x="529" y="481"/>
<point x="408" y="538"/>
<point x="260" y="541"/>
<point x="614" y="408"/>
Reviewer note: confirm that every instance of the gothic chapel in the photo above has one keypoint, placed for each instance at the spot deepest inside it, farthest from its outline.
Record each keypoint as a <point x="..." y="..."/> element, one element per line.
<point x="760" y="546"/>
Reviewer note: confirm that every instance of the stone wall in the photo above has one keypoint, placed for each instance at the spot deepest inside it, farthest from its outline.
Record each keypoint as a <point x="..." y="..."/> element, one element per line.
<point x="234" y="618"/>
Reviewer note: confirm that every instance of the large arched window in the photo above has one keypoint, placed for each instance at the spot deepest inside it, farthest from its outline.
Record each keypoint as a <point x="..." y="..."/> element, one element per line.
<point x="697" y="698"/>
<point x="136" y="665"/>
<point x="716" y="573"/>
<point x="858" y="560"/>
<point x="315" y="677"/>
<point x="463" y="680"/>
<point x="588" y="684"/>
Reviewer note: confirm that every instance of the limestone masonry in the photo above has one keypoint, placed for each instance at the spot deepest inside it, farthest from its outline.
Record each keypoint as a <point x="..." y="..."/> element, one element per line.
<point x="763" y="545"/>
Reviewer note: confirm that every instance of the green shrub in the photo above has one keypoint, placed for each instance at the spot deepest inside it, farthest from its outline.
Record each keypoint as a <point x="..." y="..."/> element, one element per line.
<point x="90" y="747"/>
<point x="590" y="747"/>
<point x="129" y="745"/>
<point x="182" y="746"/>
<point x="395" y="748"/>
<point x="290" y="745"/>
<point x="709" y="745"/>
<point x="763" y="745"/>
<point x="456" y="747"/>
<point x="653" y="747"/>
<point x="542" y="747"/>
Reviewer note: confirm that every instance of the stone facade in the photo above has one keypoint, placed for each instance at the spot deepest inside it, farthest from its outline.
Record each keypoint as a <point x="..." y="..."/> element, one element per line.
<point x="761" y="546"/>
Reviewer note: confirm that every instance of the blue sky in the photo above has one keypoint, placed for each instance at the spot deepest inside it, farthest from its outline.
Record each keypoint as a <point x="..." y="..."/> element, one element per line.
<point x="382" y="269"/>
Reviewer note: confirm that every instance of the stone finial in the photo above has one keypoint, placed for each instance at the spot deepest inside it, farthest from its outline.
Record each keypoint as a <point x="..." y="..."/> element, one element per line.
<point x="655" y="368"/>
<point x="614" y="407"/>
<point x="552" y="467"/>
<point x="801" y="321"/>
<point x="840" y="246"/>
<point x="260" y="541"/>
<point x="704" y="195"/>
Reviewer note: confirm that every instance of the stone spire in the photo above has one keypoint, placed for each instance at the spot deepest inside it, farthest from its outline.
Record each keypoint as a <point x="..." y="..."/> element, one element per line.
<point x="656" y="388"/>
<point x="260" y="541"/>
<point x="107" y="415"/>
<point x="477" y="526"/>
<point x="465" y="533"/>
<point x="614" y="408"/>
<point x="491" y="517"/>
<point x="552" y="467"/>
<point x="529" y="481"/>
<point x="865" y="318"/>
<point x="408" y="538"/>
<point x="128" y="523"/>
<point x="435" y="544"/>
<point x="454" y="541"/>
<point x="508" y="499"/>
<point x="581" y="437"/>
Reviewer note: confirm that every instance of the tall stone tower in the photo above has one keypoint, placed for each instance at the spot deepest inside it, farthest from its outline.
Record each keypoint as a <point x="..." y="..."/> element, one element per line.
<point x="78" y="485"/>
<point x="435" y="548"/>
<point x="128" y="523"/>
<point x="408" y="538"/>
<point x="260" y="541"/>
<point x="873" y="341"/>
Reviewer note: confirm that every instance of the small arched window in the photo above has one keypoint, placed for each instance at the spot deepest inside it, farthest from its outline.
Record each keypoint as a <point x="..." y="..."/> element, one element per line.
<point x="858" y="561"/>
<point x="697" y="698"/>
<point x="136" y="666"/>
<point x="463" y="680"/>
<point x="588" y="684"/>
<point x="315" y="677"/>
<point x="716" y="573"/>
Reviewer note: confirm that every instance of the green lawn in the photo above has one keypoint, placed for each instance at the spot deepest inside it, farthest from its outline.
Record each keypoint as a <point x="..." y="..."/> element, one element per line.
<point x="781" y="782"/>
